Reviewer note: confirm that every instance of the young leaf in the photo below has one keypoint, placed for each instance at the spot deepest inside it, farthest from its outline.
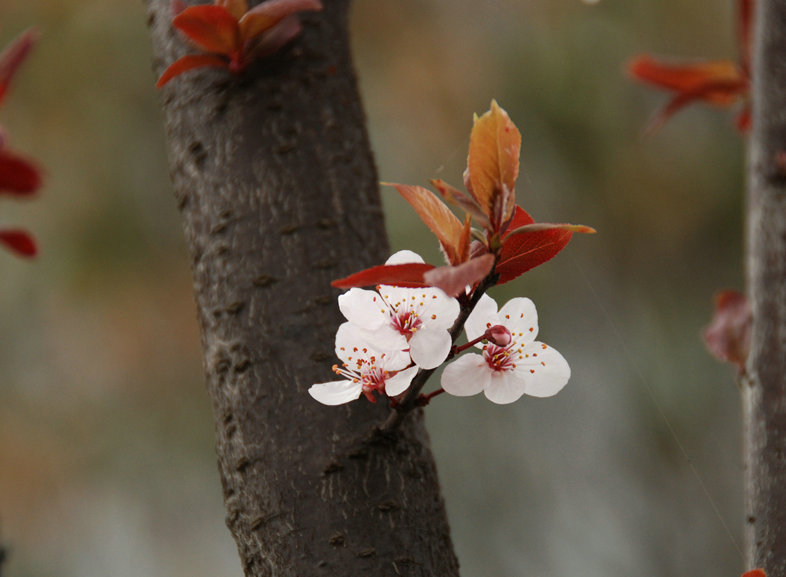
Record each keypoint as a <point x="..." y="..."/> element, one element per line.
<point x="211" y="28"/>
<point x="404" y="275"/>
<point x="493" y="160"/>
<point x="444" y="224"/>
<point x="19" y="242"/>
<point x="728" y="337"/>
<point x="189" y="62"/>
<point x="270" y="13"/>
<point x="453" y="280"/>
<point x="13" y="56"/>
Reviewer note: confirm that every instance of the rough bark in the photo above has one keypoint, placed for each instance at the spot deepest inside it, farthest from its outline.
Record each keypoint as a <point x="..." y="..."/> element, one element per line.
<point x="764" y="389"/>
<point x="278" y="194"/>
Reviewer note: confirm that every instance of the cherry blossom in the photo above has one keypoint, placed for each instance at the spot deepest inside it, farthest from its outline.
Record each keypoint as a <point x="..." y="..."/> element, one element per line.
<point x="399" y="318"/>
<point x="505" y="373"/>
<point x="365" y="369"/>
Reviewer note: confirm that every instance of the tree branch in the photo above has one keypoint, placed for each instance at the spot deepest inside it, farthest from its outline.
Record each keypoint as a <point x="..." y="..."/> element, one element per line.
<point x="764" y="387"/>
<point x="278" y="194"/>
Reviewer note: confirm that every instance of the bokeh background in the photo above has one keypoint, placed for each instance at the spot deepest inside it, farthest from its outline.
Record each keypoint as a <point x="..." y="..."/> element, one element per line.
<point x="106" y="446"/>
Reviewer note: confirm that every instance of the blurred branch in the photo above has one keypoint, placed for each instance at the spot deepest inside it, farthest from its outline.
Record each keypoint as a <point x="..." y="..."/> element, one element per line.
<point x="277" y="189"/>
<point x="764" y="386"/>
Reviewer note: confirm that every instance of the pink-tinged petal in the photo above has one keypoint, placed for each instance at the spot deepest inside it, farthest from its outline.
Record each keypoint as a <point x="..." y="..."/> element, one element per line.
<point x="454" y="279"/>
<point x="520" y="317"/>
<point x="335" y="392"/>
<point x="439" y="310"/>
<point x="430" y="347"/>
<point x="466" y="376"/>
<point x="19" y="242"/>
<point x="505" y="387"/>
<point x="354" y="344"/>
<point x="404" y="257"/>
<point x="18" y="176"/>
<point x="269" y="13"/>
<point x="189" y="62"/>
<point x="543" y="370"/>
<point x="400" y="382"/>
<point x="363" y="308"/>
<point x="211" y="28"/>
<point x="483" y="316"/>
<point x="13" y="57"/>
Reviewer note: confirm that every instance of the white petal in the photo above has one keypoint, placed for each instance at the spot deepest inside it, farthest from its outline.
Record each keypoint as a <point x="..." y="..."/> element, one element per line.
<point x="353" y="343"/>
<point x="430" y="347"/>
<point x="438" y="310"/>
<point x="521" y="318"/>
<point x="400" y="382"/>
<point x="482" y="317"/>
<point x="545" y="371"/>
<point x="364" y="308"/>
<point x="505" y="387"/>
<point x="335" y="392"/>
<point x="466" y="376"/>
<point x="404" y="257"/>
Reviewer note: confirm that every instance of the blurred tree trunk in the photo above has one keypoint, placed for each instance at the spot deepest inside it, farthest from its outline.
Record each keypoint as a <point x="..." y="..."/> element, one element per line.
<point x="278" y="193"/>
<point x="764" y="390"/>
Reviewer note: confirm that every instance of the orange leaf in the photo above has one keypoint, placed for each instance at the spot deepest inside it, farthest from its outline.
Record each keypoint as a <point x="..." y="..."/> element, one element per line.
<point x="269" y="13"/>
<point x="755" y="573"/>
<point x="454" y="196"/>
<point x="443" y="223"/>
<point x="13" y="56"/>
<point x="493" y="160"/>
<point x="189" y="62"/>
<point x="454" y="279"/>
<point x="211" y="28"/>
<point x="235" y="7"/>
<point x="711" y="80"/>
<point x="406" y="275"/>
<point x="19" y="242"/>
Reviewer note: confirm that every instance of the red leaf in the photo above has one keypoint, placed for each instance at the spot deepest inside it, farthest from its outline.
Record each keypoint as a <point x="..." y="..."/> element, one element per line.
<point x="19" y="242"/>
<point x="444" y="224"/>
<point x="405" y="275"/>
<point x="728" y="337"/>
<point x="707" y="79"/>
<point x="13" y="56"/>
<point x="190" y="62"/>
<point x="211" y="28"/>
<point x="454" y="279"/>
<point x="755" y="573"/>
<point x="522" y="252"/>
<point x="269" y="13"/>
<point x="17" y="175"/>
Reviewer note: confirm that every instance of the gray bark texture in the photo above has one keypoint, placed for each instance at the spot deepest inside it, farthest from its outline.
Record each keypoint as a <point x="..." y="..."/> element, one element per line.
<point x="277" y="188"/>
<point x="764" y="389"/>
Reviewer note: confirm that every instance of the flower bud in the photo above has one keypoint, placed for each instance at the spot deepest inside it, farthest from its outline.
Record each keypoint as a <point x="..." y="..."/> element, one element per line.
<point x="498" y="335"/>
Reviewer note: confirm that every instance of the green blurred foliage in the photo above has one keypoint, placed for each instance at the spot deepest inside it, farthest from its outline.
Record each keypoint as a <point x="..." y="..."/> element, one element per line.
<point x="106" y="451"/>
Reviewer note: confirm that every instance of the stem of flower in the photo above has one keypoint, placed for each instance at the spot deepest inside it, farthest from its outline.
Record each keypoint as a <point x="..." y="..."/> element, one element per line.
<point x="424" y="400"/>
<point x="409" y="400"/>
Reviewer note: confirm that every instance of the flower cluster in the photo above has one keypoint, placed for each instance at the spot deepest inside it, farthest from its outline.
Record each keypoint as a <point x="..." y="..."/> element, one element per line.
<point x="395" y="336"/>
<point x="19" y="177"/>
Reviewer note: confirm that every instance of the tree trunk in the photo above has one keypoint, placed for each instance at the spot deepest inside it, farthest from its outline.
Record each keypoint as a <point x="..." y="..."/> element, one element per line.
<point x="277" y="188"/>
<point x="764" y="389"/>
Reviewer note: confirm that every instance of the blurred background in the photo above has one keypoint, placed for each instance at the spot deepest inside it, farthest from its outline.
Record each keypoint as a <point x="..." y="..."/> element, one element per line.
<point x="107" y="464"/>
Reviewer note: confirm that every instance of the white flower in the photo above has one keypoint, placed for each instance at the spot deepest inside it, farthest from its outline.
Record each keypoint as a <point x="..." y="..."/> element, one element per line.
<point x="525" y="366"/>
<point x="398" y="318"/>
<point x="364" y="369"/>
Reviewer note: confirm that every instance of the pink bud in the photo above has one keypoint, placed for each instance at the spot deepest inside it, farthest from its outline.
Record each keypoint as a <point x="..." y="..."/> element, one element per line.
<point x="498" y="335"/>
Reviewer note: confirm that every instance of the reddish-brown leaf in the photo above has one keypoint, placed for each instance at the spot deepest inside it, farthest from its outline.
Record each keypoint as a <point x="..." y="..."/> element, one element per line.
<point x="455" y="197"/>
<point x="522" y="252"/>
<point x="405" y="275"/>
<point x="744" y="33"/>
<point x="444" y="224"/>
<point x="728" y="337"/>
<point x="707" y="80"/>
<point x="755" y="573"/>
<point x="13" y="56"/>
<point x="269" y="13"/>
<point x="235" y="7"/>
<point x="18" y="176"/>
<point x="189" y="62"/>
<point x="493" y="160"/>
<point x="19" y="242"/>
<point x="454" y="279"/>
<point x="211" y="28"/>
